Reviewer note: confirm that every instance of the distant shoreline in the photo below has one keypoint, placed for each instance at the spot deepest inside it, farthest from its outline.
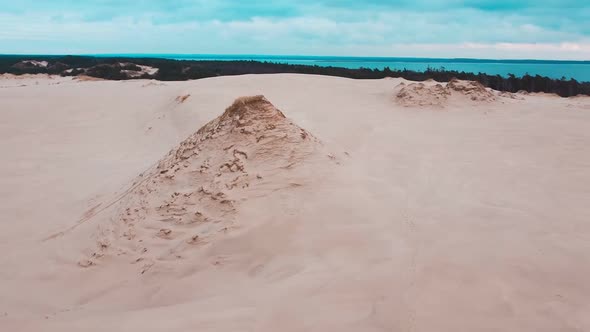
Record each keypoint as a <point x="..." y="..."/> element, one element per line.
<point x="186" y="56"/>
<point x="165" y="69"/>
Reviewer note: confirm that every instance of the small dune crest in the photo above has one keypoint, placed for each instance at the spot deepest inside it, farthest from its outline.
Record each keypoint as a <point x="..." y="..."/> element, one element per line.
<point x="246" y="112"/>
<point x="193" y="195"/>
<point x="471" y="89"/>
<point x="429" y="93"/>
<point x="420" y="94"/>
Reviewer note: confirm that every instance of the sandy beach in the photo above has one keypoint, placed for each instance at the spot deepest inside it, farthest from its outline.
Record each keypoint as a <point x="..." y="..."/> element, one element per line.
<point x="329" y="204"/>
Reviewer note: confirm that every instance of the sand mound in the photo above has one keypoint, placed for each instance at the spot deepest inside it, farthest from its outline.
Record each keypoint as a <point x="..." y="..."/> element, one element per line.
<point x="472" y="89"/>
<point x="428" y="94"/>
<point x="419" y="94"/>
<point x="194" y="193"/>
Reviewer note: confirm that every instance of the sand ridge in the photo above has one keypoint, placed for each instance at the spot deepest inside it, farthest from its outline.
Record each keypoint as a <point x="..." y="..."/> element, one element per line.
<point x="430" y="93"/>
<point x="471" y="89"/>
<point x="420" y="94"/>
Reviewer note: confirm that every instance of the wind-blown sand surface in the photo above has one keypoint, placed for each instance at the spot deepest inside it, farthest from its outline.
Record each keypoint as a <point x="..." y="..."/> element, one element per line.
<point x="349" y="205"/>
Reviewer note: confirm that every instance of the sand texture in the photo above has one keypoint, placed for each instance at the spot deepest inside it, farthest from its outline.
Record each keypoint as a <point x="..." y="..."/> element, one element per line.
<point x="291" y="203"/>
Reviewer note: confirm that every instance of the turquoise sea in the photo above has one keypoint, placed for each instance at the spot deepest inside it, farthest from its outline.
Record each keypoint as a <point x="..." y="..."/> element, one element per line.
<point x="578" y="70"/>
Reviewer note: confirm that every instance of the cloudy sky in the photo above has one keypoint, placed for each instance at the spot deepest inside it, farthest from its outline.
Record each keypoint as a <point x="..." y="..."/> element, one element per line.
<point x="542" y="29"/>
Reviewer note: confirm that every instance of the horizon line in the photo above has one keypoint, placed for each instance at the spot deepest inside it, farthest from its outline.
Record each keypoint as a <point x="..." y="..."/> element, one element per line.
<point x="147" y="55"/>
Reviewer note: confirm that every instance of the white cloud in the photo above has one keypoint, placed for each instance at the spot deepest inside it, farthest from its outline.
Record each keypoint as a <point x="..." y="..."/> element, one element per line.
<point x="453" y="33"/>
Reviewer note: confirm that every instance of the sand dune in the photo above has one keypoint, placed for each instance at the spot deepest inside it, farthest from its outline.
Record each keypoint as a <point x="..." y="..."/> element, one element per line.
<point x="329" y="204"/>
<point x="194" y="193"/>
<point x="420" y="94"/>
<point x="430" y="93"/>
<point x="471" y="89"/>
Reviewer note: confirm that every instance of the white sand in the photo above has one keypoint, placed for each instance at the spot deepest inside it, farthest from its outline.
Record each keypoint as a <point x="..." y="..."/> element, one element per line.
<point x="144" y="70"/>
<point x="461" y="215"/>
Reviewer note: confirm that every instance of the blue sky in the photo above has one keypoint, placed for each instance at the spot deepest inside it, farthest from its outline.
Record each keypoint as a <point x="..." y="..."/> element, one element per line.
<point x="543" y="29"/>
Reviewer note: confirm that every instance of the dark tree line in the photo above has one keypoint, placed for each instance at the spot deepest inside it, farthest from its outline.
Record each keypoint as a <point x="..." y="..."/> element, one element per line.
<point x="179" y="70"/>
